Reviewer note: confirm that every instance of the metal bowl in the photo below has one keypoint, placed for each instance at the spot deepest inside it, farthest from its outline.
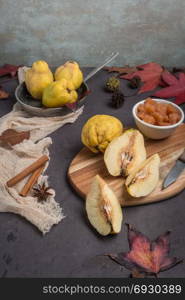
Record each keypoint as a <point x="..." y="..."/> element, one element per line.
<point x="36" y="108"/>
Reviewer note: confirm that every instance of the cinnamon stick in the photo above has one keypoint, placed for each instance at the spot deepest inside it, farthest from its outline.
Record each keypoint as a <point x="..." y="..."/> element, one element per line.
<point x="30" y="169"/>
<point x="31" y="181"/>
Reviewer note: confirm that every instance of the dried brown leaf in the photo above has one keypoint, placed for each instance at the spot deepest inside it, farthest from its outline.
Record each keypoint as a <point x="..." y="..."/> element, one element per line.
<point x="121" y="70"/>
<point x="13" y="137"/>
<point x="8" y="69"/>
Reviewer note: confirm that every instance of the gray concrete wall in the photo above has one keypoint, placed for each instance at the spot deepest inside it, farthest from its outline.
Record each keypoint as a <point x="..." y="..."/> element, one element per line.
<point x="89" y="30"/>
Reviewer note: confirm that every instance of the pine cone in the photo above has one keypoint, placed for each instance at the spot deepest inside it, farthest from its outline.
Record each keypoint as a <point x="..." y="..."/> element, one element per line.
<point x="135" y="82"/>
<point x="117" y="99"/>
<point x="112" y="84"/>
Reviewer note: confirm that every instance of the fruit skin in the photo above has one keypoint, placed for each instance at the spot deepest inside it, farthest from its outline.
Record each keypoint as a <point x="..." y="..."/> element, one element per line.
<point x="103" y="208"/>
<point x="99" y="131"/>
<point x="145" y="178"/>
<point x="38" y="78"/>
<point x="57" y="94"/>
<point x="72" y="73"/>
<point x="125" y="153"/>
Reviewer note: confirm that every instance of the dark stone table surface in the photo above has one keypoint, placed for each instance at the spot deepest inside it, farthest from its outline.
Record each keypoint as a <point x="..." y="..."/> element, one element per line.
<point x="73" y="248"/>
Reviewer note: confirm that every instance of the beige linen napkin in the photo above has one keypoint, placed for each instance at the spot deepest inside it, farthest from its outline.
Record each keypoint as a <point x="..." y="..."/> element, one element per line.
<point x="16" y="158"/>
<point x="39" y="127"/>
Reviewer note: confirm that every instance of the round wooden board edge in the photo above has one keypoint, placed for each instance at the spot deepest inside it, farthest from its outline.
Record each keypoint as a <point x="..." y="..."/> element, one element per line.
<point x="177" y="189"/>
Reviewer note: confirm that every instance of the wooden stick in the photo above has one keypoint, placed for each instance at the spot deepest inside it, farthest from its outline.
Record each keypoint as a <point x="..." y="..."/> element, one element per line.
<point x="30" y="169"/>
<point x="31" y="181"/>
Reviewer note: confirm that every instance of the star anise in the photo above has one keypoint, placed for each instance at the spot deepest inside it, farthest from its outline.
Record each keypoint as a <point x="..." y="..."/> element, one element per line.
<point x="41" y="191"/>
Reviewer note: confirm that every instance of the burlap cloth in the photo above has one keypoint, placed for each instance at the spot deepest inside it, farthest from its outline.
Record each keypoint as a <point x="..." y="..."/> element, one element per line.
<point x="14" y="159"/>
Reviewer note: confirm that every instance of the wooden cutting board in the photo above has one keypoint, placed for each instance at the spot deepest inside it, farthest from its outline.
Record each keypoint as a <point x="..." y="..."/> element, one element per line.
<point x="86" y="165"/>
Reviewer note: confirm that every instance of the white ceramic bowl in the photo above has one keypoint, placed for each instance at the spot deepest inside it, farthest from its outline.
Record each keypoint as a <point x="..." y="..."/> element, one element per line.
<point x="153" y="131"/>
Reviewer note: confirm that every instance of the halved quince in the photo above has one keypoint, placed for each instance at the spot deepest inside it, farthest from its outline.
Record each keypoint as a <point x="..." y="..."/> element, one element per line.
<point x="103" y="208"/>
<point x="125" y="153"/>
<point x="145" y="178"/>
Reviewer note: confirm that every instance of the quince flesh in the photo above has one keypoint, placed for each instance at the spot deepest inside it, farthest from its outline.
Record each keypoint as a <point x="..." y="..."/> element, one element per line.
<point x="103" y="208"/>
<point x="125" y="153"/>
<point x="72" y="73"/>
<point x="145" y="178"/>
<point x="99" y="131"/>
<point x="38" y="78"/>
<point x="57" y="94"/>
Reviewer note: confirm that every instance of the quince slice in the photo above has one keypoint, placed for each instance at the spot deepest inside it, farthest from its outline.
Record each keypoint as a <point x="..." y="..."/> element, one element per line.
<point x="145" y="178"/>
<point x="125" y="153"/>
<point x="103" y="208"/>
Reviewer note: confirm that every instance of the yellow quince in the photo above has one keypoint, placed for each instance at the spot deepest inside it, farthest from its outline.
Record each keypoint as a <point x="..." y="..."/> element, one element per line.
<point x="37" y="78"/>
<point x="72" y="73"/>
<point x="99" y="131"/>
<point x="58" y="93"/>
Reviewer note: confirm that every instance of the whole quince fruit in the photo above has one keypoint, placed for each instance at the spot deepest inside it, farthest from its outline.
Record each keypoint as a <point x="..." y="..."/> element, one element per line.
<point x="57" y="94"/>
<point x="72" y="73"/>
<point x="37" y="78"/>
<point x="99" y="131"/>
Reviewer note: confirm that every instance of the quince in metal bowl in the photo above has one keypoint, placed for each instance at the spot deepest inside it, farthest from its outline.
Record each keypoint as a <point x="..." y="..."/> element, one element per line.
<point x="40" y="95"/>
<point x="36" y="108"/>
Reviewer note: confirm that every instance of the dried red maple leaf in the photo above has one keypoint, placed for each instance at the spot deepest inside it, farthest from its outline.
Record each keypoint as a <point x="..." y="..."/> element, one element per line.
<point x="13" y="137"/>
<point x="8" y="69"/>
<point x="175" y="87"/>
<point x="84" y="94"/>
<point x="71" y="106"/>
<point x="150" y="75"/>
<point x="136" y="274"/>
<point x="3" y="94"/>
<point x="146" y="256"/>
<point x="121" y="70"/>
